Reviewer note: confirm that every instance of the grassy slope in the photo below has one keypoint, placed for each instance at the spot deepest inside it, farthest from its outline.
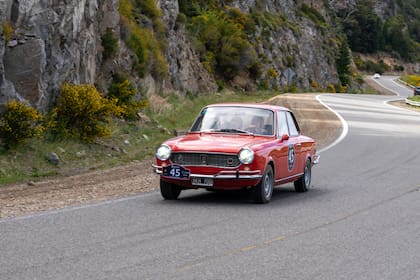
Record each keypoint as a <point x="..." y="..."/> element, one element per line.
<point x="129" y="141"/>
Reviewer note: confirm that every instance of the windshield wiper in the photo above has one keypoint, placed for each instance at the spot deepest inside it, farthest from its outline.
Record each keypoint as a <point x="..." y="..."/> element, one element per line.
<point x="228" y="130"/>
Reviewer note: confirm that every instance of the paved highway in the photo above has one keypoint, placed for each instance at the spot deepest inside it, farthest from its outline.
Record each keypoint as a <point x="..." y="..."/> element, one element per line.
<point x="361" y="219"/>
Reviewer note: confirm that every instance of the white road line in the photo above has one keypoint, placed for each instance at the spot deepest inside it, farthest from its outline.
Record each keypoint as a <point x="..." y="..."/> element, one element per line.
<point x="396" y="93"/>
<point x="343" y="123"/>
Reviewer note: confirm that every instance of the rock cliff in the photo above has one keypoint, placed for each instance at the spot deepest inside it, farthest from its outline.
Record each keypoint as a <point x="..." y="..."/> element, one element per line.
<point x="52" y="42"/>
<point x="57" y="41"/>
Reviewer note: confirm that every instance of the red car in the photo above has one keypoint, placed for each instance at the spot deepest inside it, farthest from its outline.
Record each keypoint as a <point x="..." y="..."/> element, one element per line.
<point x="237" y="146"/>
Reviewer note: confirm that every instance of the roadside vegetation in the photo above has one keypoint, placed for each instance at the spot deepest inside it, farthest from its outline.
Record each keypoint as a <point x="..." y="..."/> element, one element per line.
<point x="102" y="139"/>
<point x="413" y="80"/>
<point x="367" y="33"/>
<point x="87" y="131"/>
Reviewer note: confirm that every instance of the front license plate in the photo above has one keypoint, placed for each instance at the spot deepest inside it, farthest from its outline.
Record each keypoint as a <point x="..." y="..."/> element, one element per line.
<point x="176" y="171"/>
<point x="200" y="181"/>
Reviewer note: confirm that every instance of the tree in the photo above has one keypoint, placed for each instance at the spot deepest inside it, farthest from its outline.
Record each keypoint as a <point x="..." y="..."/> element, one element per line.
<point x="343" y="63"/>
<point x="364" y="29"/>
<point x="398" y="39"/>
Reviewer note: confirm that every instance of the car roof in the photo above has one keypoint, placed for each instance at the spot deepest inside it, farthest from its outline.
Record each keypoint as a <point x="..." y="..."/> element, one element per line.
<point x="251" y="105"/>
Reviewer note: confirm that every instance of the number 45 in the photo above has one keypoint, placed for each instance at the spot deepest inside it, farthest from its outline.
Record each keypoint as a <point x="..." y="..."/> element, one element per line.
<point x="175" y="172"/>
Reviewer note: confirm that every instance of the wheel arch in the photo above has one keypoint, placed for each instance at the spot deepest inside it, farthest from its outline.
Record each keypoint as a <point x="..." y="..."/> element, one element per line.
<point x="307" y="156"/>
<point x="271" y="163"/>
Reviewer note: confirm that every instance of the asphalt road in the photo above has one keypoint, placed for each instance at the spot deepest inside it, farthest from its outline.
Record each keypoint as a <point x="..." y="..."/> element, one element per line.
<point x="361" y="219"/>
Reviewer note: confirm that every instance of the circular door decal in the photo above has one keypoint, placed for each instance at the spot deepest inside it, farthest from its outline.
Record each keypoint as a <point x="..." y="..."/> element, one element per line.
<point x="291" y="157"/>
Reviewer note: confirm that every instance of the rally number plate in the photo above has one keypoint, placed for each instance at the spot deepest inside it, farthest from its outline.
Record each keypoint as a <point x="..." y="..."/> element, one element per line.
<point x="200" y="181"/>
<point x="176" y="171"/>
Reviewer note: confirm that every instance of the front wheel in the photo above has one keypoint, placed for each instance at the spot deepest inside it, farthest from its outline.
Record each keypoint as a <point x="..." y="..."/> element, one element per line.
<point x="264" y="190"/>
<point x="304" y="182"/>
<point x="169" y="191"/>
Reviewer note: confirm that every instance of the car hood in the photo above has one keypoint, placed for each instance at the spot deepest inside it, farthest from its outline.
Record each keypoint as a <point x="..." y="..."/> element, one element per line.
<point x="214" y="142"/>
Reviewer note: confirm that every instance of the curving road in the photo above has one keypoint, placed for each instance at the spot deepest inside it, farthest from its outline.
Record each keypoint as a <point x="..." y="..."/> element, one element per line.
<point x="360" y="221"/>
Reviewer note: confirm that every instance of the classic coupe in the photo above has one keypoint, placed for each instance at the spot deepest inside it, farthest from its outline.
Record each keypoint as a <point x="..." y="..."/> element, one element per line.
<point x="237" y="146"/>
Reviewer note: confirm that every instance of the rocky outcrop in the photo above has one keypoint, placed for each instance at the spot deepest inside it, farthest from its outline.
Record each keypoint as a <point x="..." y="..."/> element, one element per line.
<point x="185" y="70"/>
<point x="58" y="41"/>
<point x="53" y="42"/>
<point x="299" y="55"/>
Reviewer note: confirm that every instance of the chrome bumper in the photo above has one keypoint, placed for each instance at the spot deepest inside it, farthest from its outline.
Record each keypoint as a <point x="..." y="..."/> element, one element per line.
<point x="226" y="175"/>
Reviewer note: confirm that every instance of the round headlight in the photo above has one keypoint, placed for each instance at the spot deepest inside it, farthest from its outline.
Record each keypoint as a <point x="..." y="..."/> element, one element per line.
<point x="163" y="152"/>
<point x="246" y="155"/>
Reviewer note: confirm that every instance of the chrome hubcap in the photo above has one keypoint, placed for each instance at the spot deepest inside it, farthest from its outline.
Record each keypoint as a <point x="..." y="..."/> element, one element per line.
<point x="268" y="186"/>
<point x="307" y="175"/>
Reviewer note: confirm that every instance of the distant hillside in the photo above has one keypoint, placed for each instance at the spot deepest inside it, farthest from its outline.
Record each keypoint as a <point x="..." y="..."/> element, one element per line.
<point x="201" y="46"/>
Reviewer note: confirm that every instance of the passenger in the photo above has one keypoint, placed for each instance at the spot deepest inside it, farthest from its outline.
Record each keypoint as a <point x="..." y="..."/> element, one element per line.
<point x="257" y="125"/>
<point x="236" y="123"/>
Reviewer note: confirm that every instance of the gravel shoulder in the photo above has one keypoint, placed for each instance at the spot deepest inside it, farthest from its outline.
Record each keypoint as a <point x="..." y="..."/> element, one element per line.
<point x="122" y="181"/>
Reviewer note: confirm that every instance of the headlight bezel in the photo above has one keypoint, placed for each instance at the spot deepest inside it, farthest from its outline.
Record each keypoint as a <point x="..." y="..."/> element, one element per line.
<point x="163" y="152"/>
<point x="246" y="155"/>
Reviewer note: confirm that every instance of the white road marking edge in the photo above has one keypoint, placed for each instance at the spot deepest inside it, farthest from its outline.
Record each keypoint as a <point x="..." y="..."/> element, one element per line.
<point x="344" y="124"/>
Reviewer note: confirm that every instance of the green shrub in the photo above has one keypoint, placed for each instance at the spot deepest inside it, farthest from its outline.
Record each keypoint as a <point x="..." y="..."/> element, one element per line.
<point x="222" y="37"/>
<point x="312" y="14"/>
<point x="124" y="93"/>
<point x="18" y="123"/>
<point x="109" y="43"/>
<point x="148" y="51"/>
<point x="415" y="98"/>
<point x="372" y="67"/>
<point x="181" y="19"/>
<point x="83" y="113"/>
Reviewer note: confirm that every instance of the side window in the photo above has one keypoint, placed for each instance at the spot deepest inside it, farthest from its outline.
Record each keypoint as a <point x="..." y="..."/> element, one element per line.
<point x="282" y="124"/>
<point x="293" y="127"/>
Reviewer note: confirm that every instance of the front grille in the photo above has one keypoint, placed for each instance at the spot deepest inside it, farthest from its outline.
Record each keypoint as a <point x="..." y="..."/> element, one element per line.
<point x="205" y="159"/>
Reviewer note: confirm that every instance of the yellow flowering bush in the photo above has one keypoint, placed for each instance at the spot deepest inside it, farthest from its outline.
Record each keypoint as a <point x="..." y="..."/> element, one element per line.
<point x="19" y="122"/>
<point x="272" y="73"/>
<point x="82" y="112"/>
<point x="125" y="8"/>
<point x="412" y="80"/>
<point x="331" y="88"/>
<point x="7" y="31"/>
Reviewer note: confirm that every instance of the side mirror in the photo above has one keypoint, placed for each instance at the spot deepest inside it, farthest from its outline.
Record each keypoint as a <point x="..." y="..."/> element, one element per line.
<point x="284" y="137"/>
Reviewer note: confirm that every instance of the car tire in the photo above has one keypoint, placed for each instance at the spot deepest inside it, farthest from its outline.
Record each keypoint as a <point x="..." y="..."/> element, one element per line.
<point x="264" y="190"/>
<point x="304" y="182"/>
<point x="169" y="191"/>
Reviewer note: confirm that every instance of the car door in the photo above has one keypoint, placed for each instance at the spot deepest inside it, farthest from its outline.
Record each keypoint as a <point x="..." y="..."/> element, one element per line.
<point x="289" y="149"/>
<point x="282" y="153"/>
<point x="294" y="146"/>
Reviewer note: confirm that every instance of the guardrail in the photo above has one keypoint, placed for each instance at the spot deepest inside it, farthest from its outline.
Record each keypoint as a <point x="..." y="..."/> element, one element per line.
<point x="408" y="101"/>
<point x="413" y="103"/>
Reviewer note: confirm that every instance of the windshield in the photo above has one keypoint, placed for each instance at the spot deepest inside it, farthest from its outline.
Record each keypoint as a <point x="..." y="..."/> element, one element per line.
<point x="235" y="119"/>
